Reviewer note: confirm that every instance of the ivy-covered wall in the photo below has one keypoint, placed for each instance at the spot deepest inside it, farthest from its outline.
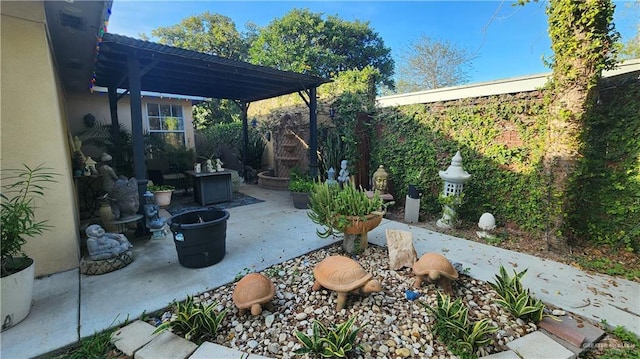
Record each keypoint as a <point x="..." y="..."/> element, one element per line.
<point x="501" y="139"/>
<point x="608" y="192"/>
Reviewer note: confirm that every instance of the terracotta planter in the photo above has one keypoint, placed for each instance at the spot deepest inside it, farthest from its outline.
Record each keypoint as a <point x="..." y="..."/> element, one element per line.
<point x="359" y="225"/>
<point x="163" y="198"/>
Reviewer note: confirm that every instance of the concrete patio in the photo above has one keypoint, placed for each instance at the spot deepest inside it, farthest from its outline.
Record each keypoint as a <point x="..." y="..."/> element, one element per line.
<point x="69" y="306"/>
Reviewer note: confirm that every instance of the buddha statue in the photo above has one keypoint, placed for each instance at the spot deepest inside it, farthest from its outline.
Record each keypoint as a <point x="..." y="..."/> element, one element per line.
<point x="123" y="198"/>
<point x="103" y="245"/>
<point x="152" y="213"/>
<point x="380" y="178"/>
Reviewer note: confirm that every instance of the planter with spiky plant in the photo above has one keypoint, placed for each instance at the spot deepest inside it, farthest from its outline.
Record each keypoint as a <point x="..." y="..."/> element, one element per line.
<point x="347" y="211"/>
<point x="21" y="189"/>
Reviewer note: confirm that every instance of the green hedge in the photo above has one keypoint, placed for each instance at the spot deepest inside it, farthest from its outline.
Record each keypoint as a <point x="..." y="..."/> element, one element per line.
<point x="501" y="139"/>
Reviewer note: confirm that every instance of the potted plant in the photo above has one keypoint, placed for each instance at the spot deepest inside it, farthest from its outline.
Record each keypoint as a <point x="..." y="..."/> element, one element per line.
<point x="345" y="210"/>
<point x="162" y="194"/>
<point x="413" y="181"/>
<point x="300" y="186"/>
<point x="21" y="189"/>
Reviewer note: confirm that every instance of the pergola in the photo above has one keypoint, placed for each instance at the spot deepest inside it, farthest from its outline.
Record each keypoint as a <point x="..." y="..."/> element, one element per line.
<point x="137" y="65"/>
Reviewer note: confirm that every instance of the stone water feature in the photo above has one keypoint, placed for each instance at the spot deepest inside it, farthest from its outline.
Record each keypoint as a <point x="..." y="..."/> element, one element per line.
<point x="290" y="150"/>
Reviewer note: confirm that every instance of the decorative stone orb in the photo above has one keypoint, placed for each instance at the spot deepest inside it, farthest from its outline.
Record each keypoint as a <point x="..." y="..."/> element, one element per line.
<point x="487" y="222"/>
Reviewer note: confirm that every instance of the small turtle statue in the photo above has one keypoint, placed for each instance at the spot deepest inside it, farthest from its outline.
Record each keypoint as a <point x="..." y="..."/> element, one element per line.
<point x="251" y="292"/>
<point x="343" y="275"/>
<point x="435" y="268"/>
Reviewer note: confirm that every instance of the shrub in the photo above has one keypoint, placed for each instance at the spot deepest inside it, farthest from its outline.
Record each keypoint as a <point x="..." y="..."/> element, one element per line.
<point x="515" y="298"/>
<point x="20" y="190"/>
<point x="452" y="325"/>
<point x="334" y="342"/>
<point x="197" y="322"/>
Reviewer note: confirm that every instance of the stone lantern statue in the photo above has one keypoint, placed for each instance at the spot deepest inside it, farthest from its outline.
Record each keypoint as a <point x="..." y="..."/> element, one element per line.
<point x="91" y="165"/>
<point x="454" y="179"/>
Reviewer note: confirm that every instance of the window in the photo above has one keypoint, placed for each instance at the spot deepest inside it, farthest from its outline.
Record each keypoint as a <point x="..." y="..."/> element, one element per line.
<point x="166" y="122"/>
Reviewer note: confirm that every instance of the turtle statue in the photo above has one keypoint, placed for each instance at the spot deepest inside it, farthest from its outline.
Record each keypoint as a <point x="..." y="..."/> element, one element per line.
<point x="252" y="291"/>
<point x="435" y="268"/>
<point x="343" y="275"/>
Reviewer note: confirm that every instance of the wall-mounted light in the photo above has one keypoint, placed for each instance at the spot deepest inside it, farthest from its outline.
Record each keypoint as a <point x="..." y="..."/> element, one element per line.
<point x="332" y="112"/>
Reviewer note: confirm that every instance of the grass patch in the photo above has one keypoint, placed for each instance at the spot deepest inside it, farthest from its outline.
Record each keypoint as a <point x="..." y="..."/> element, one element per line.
<point x="629" y="349"/>
<point x="97" y="346"/>
<point x="607" y="266"/>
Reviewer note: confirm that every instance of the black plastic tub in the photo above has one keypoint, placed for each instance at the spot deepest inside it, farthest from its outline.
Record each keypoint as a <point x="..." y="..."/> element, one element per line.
<point x="200" y="236"/>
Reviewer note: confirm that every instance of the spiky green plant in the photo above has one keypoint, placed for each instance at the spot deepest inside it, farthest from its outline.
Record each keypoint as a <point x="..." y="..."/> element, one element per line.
<point x="515" y="298"/>
<point x="197" y="322"/>
<point x="453" y="326"/>
<point x="336" y="341"/>
<point x="312" y="344"/>
<point x="330" y="206"/>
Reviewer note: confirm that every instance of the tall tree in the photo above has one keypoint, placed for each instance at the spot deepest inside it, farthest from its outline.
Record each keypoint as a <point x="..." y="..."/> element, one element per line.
<point x="429" y="64"/>
<point x="214" y="111"/>
<point x="582" y="39"/>
<point x="209" y="33"/>
<point x="631" y="48"/>
<point x="212" y="34"/>
<point x="302" y="41"/>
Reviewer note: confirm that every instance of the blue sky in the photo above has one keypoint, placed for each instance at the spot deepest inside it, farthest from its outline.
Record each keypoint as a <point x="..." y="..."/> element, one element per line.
<point x="508" y="41"/>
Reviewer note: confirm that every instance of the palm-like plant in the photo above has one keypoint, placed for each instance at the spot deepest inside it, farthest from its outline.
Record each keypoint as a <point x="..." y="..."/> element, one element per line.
<point x="21" y="188"/>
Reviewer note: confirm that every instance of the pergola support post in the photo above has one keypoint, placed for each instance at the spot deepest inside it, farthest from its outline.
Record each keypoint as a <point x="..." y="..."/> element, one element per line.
<point x="139" y="166"/>
<point x="313" y="132"/>
<point x="244" y="108"/>
<point x="115" y="124"/>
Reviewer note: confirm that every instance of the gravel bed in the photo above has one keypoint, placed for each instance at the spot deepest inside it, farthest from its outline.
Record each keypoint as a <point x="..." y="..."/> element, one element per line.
<point x="395" y="326"/>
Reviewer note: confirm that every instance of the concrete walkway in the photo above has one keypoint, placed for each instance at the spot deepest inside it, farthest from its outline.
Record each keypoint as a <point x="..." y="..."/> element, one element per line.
<point x="69" y="306"/>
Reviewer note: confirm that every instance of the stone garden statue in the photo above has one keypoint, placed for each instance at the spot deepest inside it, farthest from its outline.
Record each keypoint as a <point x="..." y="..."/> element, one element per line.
<point x="109" y="176"/>
<point x="219" y="165"/>
<point x="103" y="245"/>
<point x="151" y="212"/>
<point x="208" y="165"/>
<point x="331" y="176"/>
<point x="380" y="179"/>
<point x="343" y="176"/>
<point x="123" y="198"/>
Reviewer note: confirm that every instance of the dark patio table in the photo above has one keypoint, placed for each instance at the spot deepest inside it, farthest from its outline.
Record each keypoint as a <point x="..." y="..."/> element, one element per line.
<point x="211" y="187"/>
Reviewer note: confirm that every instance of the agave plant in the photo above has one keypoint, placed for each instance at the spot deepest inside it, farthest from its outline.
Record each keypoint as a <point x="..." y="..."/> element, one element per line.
<point x="334" y="342"/>
<point x="197" y="322"/>
<point x="453" y="326"/>
<point x="516" y="299"/>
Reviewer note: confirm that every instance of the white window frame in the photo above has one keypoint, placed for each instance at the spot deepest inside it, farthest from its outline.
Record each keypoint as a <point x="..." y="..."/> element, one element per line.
<point x="161" y="118"/>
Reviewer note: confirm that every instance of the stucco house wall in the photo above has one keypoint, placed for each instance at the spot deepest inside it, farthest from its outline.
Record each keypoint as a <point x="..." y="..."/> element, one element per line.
<point x="97" y="104"/>
<point x="33" y="129"/>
